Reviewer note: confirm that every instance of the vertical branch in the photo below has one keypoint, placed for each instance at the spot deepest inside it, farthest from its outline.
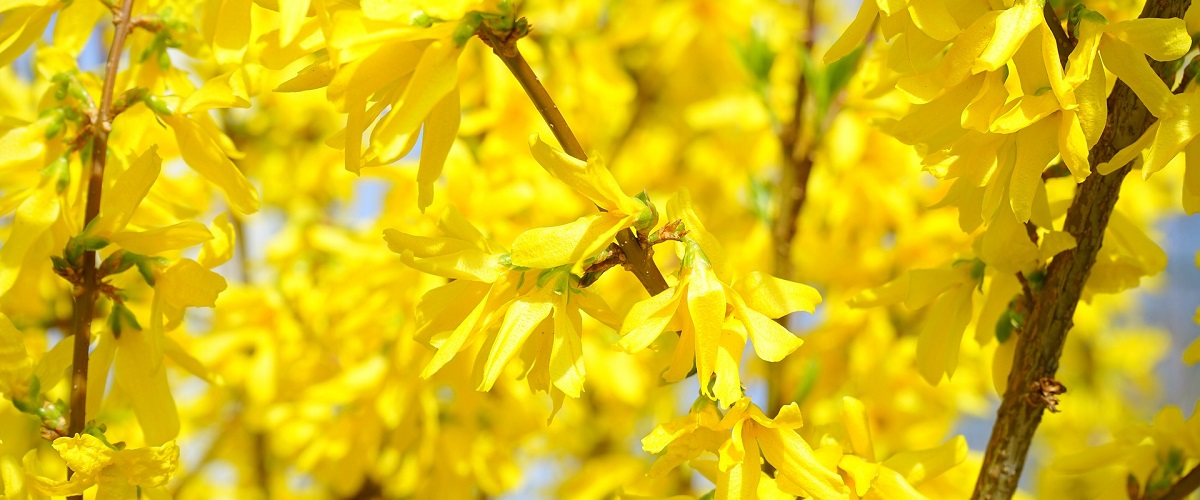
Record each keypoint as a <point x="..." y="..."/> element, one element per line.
<point x="85" y="300"/>
<point x="796" y="150"/>
<point x="504" y="45"/>
<point x="1041" y="339"/>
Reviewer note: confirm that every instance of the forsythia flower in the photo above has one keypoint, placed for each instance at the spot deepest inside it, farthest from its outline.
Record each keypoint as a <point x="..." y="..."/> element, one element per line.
<point x="738" y="438"/>
<point x="537" y="315"/>
<point x="715" y="319"/>
<point x="119" y="473"/>
<point x="549" y="247"/>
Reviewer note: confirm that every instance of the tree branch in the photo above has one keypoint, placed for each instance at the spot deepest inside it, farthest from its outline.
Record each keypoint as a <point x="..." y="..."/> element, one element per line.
<point x="85" y="302"/>
<point x="1184" y="487"/>
<point x="1041" y="339"/>
<point x="504" y="45"/>
<point x="793" y="192"/>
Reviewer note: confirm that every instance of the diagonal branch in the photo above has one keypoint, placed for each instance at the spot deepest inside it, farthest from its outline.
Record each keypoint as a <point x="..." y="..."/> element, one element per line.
<point x="504" y="45"/>
<point x="85" y="301"/>
<point x="1041" y="339"/>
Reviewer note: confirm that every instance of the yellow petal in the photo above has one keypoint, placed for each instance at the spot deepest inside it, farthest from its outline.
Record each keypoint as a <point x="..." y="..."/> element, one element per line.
<point x="1023" y="112"/>
<point x="435" y="76"/>
<point x="523" y="317"/>
<point x="148" y="467"/>
<point x="99" y="363"/>
<point x="441" y="127"/>
<point x="932" y="17"/>
<point x="1092" y="98"/>
<point x="187" y="284"/>
<point x="589" y="178"/>
<point x="202" y="153"/>
<point x="891" y="7"/>
<point x="314" y="76"/>
<point x="1055" y="242"/>
<point x="84" y="453"/>
<point x="862" y="471"/>
<point x="455" y="341"/>
<point x="940" y="338"/>
<point x="1161" y="39"/>
<point x="227" y="90"/>
<point x="34" y="216"/>
<point x="162" y="239"/>
<point x="1191" y="178"/>
<point x="1054" y="70"/>
<point x="446" y="257"/>
<point x="1136" y="243"/>
<point x="547" y="247"/>
<point x="566" y="355"/>
<point x="855" y="33"/>
<point x="1132" y="68"/>
<point x="1012" y="27"/>
<point x="740" y="481"/>
<point x="920" y="466"/>
<point x="144" y="382"/>
<point x="1131" y="152"/>
<point x="798" y="470"/>
<point x="925" y="285"/>
<point x="775" y="297"/>
<point x="1174" y="132"/>
<point x="647" y="319"/>
<point x="15" y="364"/>
<point x="728" y="385"/>
<point x="1082" y="62"/>
<point x="1073" y="146"/>
<point x="858" y="428"/>
<point x="23" y="146"/>
<point x="1034" y="154"/>
<point x="291" y="17"/>
<point x="229" y="31"/>
<point x="706" y="307"/>
<point x="219" y="249"/>
<point x="772" y="342"/>
<point x="891" y="292"/>
<point x="131" y="187"/>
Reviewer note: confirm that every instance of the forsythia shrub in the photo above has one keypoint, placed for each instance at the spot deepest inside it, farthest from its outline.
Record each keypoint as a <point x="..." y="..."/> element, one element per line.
<point x="195" y="300"/>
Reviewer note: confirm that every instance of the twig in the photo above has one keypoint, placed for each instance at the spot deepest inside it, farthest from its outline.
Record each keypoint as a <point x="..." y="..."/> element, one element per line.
<point x="1040" y="344"/>
<point x="1184" y="487"/>
<point x="85" y="303"/>
<point x="638" y="260"/>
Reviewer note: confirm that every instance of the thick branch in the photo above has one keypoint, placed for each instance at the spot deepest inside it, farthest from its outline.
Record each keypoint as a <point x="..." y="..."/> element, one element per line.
<point x="85" y="302"/>
<point x="1041" y="339"/>
<point x="504" y="45"/>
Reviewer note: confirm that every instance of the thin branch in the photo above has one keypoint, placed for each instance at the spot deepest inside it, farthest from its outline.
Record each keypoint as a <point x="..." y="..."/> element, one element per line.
<point x="85" y="302"/>
<point x="1040" y="344"/>
<point x="1065" y="44"/>
<point x="638" y="259"/>
<point x="793" y="193"/>
<point x="1184" y="487"/>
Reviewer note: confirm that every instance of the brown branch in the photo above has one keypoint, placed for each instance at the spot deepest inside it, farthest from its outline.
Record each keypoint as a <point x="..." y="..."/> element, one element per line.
<point x="504" y="45"/>
<point x="85" y="302"/>
<point x="1065" y="44"/>
<point x="1040" y="344"/>
<point x="1184" y="487"/>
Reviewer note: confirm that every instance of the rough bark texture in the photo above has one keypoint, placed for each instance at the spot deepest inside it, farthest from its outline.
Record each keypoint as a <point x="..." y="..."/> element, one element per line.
<point x="1041" y="339"/>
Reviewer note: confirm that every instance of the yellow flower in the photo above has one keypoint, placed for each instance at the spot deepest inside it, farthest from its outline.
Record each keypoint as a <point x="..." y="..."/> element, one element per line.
<point x="119" y="473"/>
<point x="545" y="248"/>
<point x="715" y="320"/>
<point x="740" y="439"/>
<point x="537" y="315"/>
